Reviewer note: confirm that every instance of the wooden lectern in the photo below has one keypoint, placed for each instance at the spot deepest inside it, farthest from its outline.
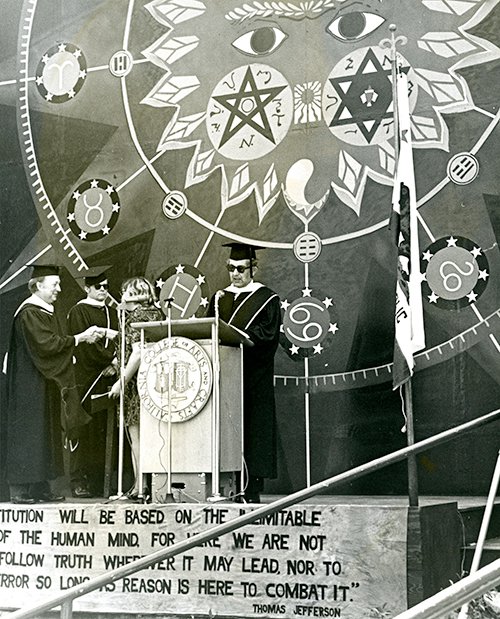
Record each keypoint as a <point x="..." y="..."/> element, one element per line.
<point x="190" y="382"/>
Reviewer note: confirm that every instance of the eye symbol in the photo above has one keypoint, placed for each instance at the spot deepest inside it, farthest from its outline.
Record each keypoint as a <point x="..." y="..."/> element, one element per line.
<point x="260" y="41"/>
<point x="354" y="26"/>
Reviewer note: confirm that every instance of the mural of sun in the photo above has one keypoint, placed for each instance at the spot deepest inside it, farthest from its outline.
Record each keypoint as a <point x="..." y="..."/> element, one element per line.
<point x="153" y="131"/>
<point x="296" y="98"/>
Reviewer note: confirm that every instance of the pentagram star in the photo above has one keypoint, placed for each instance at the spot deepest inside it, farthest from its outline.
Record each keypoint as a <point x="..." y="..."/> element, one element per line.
<point x="333" y="328"/>
<point x="159" y="283"/>
<point x="475" y="251"/>
<point x="355" y="107"/>
<point x="472" y="296"/>
<point x="76" y="195"/>
<point x="427" y="256"/>
<point x="179" y="268"/>
<point x="318" y="349"/>
<point x="109" y="189"/>
<point x="483" y="275"/>
<point x="204" y="301"/>
<point x="105" y="230"/>
<point x="451" y="242"/>
<point x="433" y="297"/>
<point x="306" y="292"/>
<point x="200" y="279"/>
<point x="294" y="350"/>
<point x="94" y="183"/>
<point x="115" y="207"/>
<point x="285" y="305"/>
<point x="327" y="302"/>
<point x="248" y="108"/>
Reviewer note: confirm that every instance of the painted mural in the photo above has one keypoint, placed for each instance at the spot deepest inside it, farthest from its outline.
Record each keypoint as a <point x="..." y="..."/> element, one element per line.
<point x="145" y="134"/>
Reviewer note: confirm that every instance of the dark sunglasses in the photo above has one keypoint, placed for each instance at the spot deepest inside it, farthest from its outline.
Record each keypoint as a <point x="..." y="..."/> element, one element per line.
<point x="240" y="268"/>
<point x="101" y="286"/>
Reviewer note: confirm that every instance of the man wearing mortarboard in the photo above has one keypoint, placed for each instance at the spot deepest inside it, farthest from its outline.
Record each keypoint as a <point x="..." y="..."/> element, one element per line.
<point x="255" y="309"/>
<point x="42" y="397"/>
<point x="93" y="369"/>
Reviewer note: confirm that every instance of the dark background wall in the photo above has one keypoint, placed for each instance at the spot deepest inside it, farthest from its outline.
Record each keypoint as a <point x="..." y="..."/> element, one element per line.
<point x="109" y="128"/>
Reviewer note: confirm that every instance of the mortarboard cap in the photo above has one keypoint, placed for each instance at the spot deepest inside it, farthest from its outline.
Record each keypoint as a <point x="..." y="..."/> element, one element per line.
<point x="242" y="251"/>
<point x="41" y="269"/>
<point x="95" y="275"/>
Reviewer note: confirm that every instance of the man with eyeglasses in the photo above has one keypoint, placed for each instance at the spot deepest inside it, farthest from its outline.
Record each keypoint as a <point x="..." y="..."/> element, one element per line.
<point x="94" y="364"/>
<point x="42" y="395"/>
<point x="255" y="309"/>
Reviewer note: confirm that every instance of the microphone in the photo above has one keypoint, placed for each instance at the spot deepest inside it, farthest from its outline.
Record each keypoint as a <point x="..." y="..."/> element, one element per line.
<point x="218" y="296"/>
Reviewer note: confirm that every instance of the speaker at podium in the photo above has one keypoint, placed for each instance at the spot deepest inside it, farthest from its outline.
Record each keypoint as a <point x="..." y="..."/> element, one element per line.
<point x="190" y="383"/>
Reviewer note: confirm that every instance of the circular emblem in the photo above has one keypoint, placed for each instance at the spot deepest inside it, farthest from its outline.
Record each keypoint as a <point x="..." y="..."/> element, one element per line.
<point x="463" y="168"/>
<point x="455" y="272"/>
<point x="121" y="63"/>
<point x="176" y="373"/>
<point x="174" y="205"/>
<point x="249" y="112"/>
<point x="309" y="323"/>
<point x="307" y="247"/>
<point x="357" y="98"/>
<point x="187" y="288"/>
<point x="61" y="73"/>
<point x="93" y="210"/>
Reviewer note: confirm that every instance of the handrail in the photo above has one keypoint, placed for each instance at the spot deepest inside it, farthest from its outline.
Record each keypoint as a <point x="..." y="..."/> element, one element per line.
<point x="455" y="595"/>
<point x="251" y="516"/>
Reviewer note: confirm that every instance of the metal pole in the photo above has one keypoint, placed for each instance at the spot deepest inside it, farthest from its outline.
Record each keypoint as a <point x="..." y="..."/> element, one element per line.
<point x="407" y="387"/>
<point x="121" y="426"/>
<point x="410" y="440"/>
<point x="170" y="497"/>
<point x="484" y="528"/>
<point x="215" y="495"/>
<point x="439" y="605"/>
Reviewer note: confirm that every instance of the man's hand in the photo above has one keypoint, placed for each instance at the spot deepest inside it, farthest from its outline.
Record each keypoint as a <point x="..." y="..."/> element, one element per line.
<point x="90" y="335"/>
<point x="109" y="370"/>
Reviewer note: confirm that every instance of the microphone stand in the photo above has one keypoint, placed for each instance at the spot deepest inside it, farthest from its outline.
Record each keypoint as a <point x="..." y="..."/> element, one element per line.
<point x="121" y="426"/>
<point x="216" y="496"/>
<point x="170" y="497"/>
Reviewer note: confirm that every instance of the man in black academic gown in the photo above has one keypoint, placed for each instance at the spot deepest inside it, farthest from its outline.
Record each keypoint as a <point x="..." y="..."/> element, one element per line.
<point x="94" y="365"/>
<point x="255" y="309"/>
<point x="42" y="398"/>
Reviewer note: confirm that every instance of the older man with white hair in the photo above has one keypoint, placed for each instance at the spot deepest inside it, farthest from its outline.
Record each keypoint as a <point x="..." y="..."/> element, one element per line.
<point x="42" y="398"/>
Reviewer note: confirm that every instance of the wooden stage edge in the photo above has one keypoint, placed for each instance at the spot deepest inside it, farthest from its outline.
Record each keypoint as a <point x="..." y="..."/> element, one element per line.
<point x="348" y="556"/>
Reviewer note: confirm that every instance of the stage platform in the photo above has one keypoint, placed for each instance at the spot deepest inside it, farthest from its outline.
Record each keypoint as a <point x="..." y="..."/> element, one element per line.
<point x="346" y="556"/>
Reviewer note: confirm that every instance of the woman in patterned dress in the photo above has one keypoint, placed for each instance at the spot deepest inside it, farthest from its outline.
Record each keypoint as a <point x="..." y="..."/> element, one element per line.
<point x="139" y="301"/>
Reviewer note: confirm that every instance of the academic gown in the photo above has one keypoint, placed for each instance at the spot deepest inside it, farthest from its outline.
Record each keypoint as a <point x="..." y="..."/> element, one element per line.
<point x="91" y="359"/>
<point x="42" y="398"/>
<point x="257" y="312"/>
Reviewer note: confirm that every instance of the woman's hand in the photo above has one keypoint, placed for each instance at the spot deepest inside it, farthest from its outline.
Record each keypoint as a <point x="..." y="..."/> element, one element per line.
<point x="114" y="392"/>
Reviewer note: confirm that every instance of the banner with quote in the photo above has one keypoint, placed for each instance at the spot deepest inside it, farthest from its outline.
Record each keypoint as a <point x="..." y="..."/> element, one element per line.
<point x="316" y="561"/>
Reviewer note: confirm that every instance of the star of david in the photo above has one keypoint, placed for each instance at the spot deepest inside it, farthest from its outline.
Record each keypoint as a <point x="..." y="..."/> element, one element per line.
<point x="256" y="117"/>
<point x="355" y="107"/>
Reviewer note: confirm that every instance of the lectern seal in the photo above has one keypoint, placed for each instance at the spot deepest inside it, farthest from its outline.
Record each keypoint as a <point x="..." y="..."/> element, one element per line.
<point x="176" y="374"/>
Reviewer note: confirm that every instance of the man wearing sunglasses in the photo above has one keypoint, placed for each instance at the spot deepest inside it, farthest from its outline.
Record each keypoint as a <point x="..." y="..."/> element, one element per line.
<point x="255" y="309"/>
<point x="94" y="364"/>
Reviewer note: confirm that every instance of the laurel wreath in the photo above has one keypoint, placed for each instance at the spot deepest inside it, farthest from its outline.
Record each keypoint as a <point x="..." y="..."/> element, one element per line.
<point x="280" y="9"/>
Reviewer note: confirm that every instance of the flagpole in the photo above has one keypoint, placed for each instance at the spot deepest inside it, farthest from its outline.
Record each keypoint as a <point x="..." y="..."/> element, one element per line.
<point x="407" y="394"/>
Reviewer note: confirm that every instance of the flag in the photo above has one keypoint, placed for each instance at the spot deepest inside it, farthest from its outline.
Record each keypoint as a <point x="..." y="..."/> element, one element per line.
<point x="409" y="319"/>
